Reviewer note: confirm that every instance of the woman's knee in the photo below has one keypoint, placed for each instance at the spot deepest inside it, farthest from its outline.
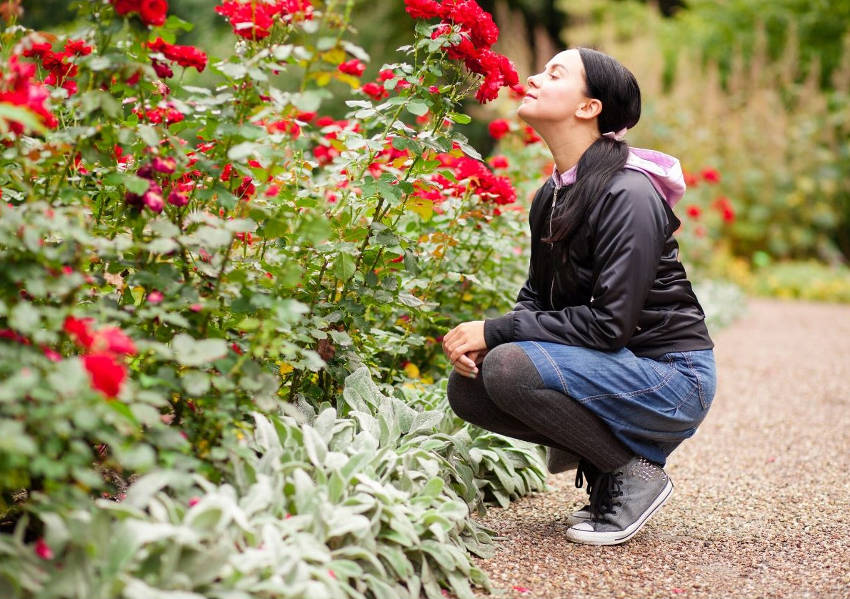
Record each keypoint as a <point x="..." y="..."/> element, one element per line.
<point x="464" y="396"/>
<point x="503" y="368"/>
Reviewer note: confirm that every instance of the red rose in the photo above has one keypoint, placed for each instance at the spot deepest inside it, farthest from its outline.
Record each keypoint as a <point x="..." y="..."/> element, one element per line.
<point x="113" y="340"/>
<point x="79" y="329"/>
<point x="710" y="175"/>
<point x="249" y="20"/>
<point x="106" y="373"/>
<point x="352" y="67"/>
<point x="374" y="91"/>
<point x="123" y="7"/>
<point x="499" y="128"/>
<point x="422" y="9"/>
<point x="153" y="12"/>
<point x="499" y="162"/>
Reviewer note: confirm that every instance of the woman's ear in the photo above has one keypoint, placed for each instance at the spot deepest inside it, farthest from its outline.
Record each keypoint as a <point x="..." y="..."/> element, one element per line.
<point x="589" y="109"/>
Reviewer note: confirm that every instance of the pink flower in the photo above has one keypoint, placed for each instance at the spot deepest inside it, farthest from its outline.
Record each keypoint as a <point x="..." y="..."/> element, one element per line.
<point x="155" y="297"/>
<point x="43" y="550"/>
<point x="51" y="355"/>
<point x="165" y="166"/>
<point x="153" y="199"/>
<point x="193" y="501"/>
<point x="176" y="198"/>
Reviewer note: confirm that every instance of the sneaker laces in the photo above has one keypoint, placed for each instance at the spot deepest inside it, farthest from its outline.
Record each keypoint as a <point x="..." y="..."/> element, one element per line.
<point x="585" y="472"/>
<point x="606" y="488"/>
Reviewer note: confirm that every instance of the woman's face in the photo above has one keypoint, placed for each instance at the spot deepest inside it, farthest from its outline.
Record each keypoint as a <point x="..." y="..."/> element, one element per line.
<point x="557" y="92"/>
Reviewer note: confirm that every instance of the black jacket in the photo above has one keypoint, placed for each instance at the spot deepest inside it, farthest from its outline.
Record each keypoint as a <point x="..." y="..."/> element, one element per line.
<point x="629" y="289"/>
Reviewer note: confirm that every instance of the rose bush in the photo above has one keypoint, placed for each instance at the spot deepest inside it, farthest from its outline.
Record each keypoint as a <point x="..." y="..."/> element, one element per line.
<point x="182" y="261"/>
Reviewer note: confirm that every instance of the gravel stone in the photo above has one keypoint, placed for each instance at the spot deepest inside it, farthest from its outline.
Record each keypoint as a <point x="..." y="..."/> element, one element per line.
<point x="761" y="505"/>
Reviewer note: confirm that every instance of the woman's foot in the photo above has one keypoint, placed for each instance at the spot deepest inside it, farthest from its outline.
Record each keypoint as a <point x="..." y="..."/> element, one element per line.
<point x="621" y="502"/>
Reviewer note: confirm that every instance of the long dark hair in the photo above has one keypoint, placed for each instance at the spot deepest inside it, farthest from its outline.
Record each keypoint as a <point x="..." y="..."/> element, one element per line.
<point x="617" y="89"/>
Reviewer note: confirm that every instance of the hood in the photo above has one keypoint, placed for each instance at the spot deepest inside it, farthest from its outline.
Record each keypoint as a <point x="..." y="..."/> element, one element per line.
<point x="663" y="170"/>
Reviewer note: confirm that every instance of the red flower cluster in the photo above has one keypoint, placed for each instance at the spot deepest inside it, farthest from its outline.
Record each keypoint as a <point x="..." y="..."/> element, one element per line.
<point x="326" y="152"/>
<point x="708" y="174"/>
<point x="60" y="72"/>
<point x="185" y="56"/>
<point x="17" y="87"/>
<point x="103" y="350"/>
<point x="724" y="206"/>
<point x="151" y="12"/>
<point x="377" y="91"/>
<point x="159" y="173"/>
<point x="387" y="157"/>
<point x="478" y="33"/>
<point x="254" y="19"/>
<point x="473" y="174"/>
<point x="159" y="114"/>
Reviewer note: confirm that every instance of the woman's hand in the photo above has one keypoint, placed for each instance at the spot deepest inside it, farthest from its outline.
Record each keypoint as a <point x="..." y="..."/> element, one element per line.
<point x="464" y="344"/>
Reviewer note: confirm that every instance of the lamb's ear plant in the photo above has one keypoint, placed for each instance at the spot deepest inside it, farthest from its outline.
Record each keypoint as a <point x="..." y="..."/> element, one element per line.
<point x="309" y="505"/>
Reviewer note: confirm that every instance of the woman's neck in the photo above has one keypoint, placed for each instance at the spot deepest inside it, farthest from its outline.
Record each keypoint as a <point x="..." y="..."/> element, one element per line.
<point x="567" y="146"/>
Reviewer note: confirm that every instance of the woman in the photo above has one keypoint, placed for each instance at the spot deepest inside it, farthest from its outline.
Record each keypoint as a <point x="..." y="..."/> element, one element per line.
<point x="605" y="358"/>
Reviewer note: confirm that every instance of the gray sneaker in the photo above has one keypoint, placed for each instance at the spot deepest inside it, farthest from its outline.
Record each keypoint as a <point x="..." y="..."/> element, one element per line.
<point x="621" y="503"/>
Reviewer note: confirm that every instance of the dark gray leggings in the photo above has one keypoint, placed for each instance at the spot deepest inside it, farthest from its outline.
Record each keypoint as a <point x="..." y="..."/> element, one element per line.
<point x="508" y="397"/>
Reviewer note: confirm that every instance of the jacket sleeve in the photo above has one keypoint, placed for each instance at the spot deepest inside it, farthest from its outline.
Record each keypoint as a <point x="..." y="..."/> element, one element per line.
<point x="629" y="238"/>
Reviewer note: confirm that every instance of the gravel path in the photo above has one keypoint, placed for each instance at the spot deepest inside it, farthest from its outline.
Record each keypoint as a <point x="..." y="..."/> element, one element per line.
<point x="761" y="506"/>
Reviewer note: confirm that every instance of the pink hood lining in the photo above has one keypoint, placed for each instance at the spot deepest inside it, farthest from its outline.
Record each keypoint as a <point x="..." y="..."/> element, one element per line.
<point x="663" y="170"/>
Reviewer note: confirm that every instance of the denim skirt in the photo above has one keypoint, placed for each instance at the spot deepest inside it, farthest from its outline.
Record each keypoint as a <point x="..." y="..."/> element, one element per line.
<point x="651" y="405"/>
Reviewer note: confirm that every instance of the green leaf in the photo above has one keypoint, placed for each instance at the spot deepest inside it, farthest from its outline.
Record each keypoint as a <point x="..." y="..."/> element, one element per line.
<point x="148" y="135"/>
<point x="417" y="108"/>
<point x="460" y="118"/>
<point x="192" y="352"/>
<point x="195" y="383"/>
<point x="343" y="266"/>
<point x="244" y="150"/>
<point x="25" y="318"/>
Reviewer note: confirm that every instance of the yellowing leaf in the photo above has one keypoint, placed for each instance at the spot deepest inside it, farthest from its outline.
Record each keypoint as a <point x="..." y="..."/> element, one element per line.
<point x="322" y="78"/>
<point x="334" y="56"/>
<point x="421" y="206"/>
<point x="351" y="80"/>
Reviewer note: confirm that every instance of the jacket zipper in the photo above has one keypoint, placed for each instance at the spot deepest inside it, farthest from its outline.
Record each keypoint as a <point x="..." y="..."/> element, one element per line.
<point x="552" y="245"/>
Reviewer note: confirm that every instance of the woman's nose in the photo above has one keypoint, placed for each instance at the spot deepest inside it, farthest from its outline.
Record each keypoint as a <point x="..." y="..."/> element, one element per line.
<point x="530" y="81"/>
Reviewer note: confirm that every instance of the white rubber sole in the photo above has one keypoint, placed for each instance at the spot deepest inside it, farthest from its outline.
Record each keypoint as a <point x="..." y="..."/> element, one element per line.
<point x="576" y="534"/>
